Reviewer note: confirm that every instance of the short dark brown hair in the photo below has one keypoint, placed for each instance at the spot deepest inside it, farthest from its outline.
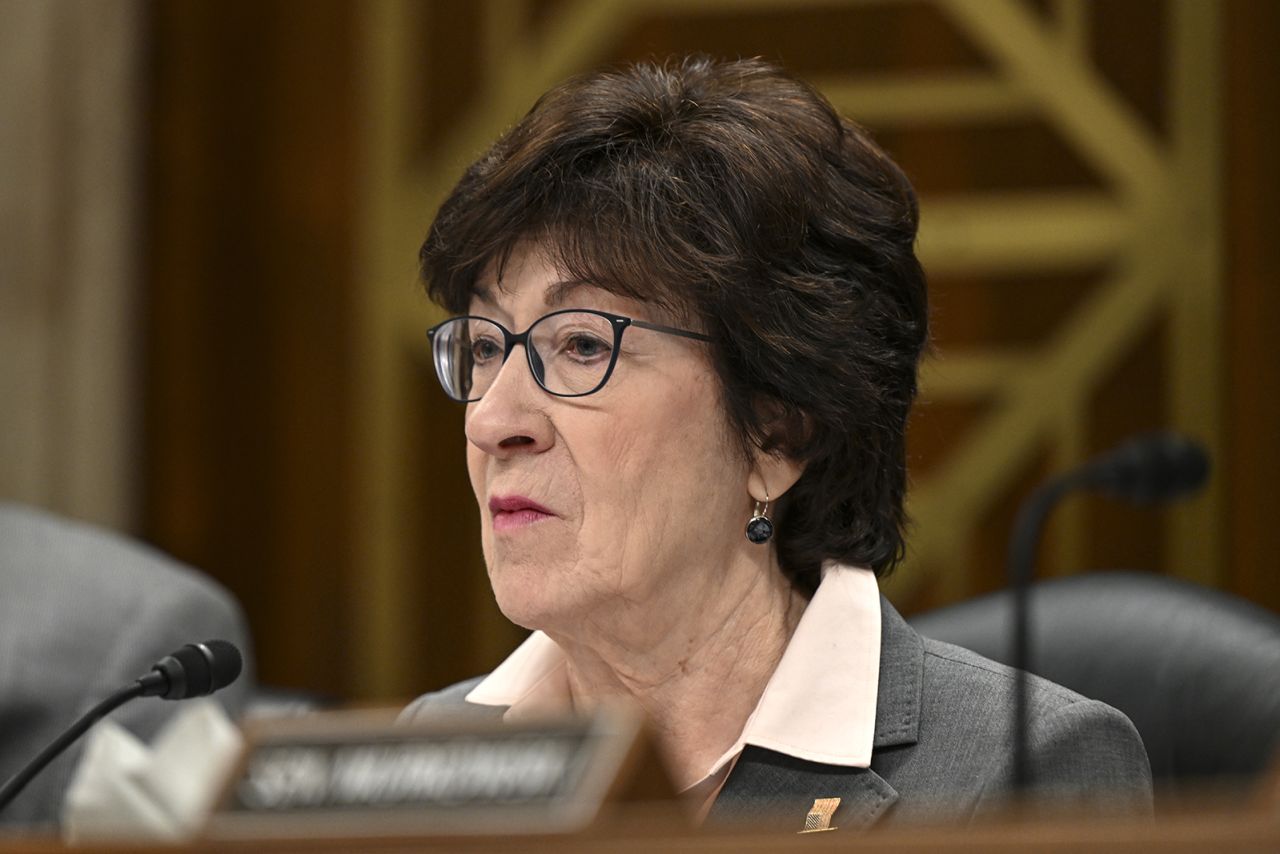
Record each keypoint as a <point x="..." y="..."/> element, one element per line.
<point x="732" y="194"/>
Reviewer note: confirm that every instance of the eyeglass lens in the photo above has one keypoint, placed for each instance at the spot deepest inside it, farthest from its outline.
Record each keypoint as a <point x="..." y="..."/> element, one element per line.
<point x="569" y="353"/>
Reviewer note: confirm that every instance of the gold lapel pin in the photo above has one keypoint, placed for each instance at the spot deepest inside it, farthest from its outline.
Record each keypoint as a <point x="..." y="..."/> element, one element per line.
<point x="819" y="817"/>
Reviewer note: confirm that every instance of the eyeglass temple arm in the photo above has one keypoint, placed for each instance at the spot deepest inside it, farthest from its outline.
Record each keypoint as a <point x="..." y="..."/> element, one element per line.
<point x="683" y="333"/>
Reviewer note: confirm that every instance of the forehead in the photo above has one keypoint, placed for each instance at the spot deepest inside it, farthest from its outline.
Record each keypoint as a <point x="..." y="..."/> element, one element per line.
<point x="531" y="283"/>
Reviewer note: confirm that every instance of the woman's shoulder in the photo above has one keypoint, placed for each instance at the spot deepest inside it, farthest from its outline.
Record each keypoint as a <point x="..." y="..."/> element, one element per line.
<point x="965" y="676"/>
<point x="1076" y="744"/>
<point x="964" y="683"/>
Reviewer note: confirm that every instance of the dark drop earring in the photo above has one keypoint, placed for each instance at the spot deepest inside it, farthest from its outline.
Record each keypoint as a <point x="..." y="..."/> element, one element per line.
<point x="760" y="528"/>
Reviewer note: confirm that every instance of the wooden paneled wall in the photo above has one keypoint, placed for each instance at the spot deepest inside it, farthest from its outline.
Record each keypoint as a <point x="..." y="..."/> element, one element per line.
<point x="1252" y="98"/>
<point x="250" y="294"/>
<point x="70" y="118"/>
<point x="297" y="448"/>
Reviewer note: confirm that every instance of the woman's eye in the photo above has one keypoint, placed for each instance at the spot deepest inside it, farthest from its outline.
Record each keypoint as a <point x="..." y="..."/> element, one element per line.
<point x="585" y="346"/>
<point x="485" y="349"/>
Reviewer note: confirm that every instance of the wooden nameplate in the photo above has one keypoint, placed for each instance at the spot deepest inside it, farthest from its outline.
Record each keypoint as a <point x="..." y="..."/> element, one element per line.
<point x="362" y="774"/>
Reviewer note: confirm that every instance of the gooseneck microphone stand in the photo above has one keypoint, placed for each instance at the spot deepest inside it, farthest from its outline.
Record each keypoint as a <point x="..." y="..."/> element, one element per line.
<point x="19" y="781"/>
<point x="1147" y="470"/>
<point x="195" y="670"/>
<point x="1022" y="558"/>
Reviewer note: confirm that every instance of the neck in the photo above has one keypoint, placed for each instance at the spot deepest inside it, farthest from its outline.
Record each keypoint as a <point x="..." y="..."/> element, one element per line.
<point x="697" y="671"/>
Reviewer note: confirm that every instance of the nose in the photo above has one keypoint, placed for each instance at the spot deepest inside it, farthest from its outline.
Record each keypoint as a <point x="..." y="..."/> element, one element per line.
<point x="510" y="418"/>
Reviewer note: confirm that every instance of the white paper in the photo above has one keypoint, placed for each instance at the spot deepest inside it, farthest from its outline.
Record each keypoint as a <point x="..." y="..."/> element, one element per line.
<point x="124" y="790"/>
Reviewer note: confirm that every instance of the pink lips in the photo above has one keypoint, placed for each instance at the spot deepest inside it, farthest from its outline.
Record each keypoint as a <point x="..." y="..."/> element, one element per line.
<point x="515" y="511"/>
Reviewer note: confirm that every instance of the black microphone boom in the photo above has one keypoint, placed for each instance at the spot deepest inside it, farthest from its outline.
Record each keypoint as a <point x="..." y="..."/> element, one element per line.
<point x="1149" y="469"/>
<point x="195" y="670"/>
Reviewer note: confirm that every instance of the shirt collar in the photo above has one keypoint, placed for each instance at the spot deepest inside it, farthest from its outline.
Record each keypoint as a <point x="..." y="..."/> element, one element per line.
<point x="819" y="705"/>
<point x="533" y="679"/>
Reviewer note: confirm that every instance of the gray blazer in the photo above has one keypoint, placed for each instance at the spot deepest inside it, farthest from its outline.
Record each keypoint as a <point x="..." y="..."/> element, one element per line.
<point x="942" y="749"/>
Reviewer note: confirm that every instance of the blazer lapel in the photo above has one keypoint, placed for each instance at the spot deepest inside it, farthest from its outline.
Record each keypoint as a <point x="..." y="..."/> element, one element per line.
<point x="901" y="681"/>
<point x="766" y="785"/>
<point x="772" y="787"/>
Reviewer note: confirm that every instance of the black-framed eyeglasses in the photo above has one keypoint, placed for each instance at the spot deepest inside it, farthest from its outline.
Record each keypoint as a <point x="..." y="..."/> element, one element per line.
<point x="572" y="352"/>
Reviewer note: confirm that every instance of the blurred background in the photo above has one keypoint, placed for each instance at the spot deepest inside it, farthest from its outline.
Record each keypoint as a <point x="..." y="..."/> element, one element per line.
<point x="211" y="332"/>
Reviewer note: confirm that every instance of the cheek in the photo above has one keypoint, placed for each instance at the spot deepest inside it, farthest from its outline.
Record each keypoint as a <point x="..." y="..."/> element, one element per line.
<point x="476" y="473"/>
<point x="476" y="459"/>
<point x="476" y="462"/>
<point x="666" y="475"/>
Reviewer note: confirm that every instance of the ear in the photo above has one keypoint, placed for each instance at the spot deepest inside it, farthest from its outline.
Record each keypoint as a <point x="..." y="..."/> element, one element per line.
<point x="772" y="475"/>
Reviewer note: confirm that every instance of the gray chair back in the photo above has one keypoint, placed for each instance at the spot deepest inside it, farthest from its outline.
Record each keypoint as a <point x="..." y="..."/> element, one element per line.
<point x="1196" y="670"/>
<point x="83" y="612"/>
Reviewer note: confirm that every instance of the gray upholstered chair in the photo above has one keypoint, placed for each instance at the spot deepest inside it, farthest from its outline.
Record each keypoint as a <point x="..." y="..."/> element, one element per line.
<point x="83" y="612"/>
<point x="1196" y="670"/>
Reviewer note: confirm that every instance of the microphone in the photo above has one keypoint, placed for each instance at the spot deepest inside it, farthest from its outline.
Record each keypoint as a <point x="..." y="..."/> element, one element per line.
<point x="195" y="670"/>
<point x="1149" y="469"/>
<point x="1159" y="467"/>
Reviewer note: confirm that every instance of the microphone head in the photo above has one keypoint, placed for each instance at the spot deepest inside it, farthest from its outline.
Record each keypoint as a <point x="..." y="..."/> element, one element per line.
<point x="197" y="669"/>
<point x="225" y="663"/>
<point x="1159" y="467"/>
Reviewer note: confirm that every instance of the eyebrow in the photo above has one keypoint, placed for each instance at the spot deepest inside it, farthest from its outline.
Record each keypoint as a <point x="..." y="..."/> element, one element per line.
<point x="558" y="292"/>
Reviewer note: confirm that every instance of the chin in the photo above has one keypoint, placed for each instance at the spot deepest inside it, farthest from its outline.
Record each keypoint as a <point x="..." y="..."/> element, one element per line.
<point x="534" y="598"/>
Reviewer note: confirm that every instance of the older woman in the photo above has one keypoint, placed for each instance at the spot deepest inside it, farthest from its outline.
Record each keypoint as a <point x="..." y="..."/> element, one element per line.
<point x="689" y="316"/>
